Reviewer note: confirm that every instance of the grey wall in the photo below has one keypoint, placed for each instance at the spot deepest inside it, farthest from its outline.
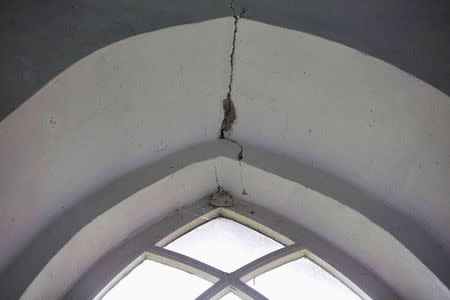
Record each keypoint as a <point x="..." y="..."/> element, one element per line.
<point x="39" y="39"/>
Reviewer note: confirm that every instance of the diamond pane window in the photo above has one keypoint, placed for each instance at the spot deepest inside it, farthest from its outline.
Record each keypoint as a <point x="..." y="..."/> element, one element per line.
<point x="301" y="279"/>
<point x="228" y="246"/>
<point x="224" y="244"/>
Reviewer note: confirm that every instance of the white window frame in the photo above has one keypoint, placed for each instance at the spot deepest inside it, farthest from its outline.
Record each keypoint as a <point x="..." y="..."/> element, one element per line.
<point x="299" y="242"/>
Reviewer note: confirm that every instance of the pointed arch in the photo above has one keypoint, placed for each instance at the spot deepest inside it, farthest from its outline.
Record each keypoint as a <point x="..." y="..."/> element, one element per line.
<point x="299" y="243"/>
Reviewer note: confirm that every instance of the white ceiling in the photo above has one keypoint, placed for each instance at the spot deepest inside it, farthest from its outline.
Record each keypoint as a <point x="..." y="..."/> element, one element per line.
<point x="315" y="102"/>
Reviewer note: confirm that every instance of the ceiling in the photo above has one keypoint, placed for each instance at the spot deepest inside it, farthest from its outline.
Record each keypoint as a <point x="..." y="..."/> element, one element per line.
<point x="42" y="38"/>
<point x="351" y="100"/>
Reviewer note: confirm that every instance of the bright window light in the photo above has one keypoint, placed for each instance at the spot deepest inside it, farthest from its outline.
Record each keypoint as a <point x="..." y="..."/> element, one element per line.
<point x="228" y="245"/>
<point x="301" y="279"/>
<point x="152" y="280"/>
<point x="224" y="244"/>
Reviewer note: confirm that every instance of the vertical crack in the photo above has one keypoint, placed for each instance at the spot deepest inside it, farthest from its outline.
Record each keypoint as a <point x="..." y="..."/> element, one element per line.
<point x="229" y="111"/>
<point x="219" y="187"/>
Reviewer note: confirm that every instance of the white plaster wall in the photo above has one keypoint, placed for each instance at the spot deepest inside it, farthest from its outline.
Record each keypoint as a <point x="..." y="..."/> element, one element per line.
<point x="352" y="115"/>
<point x="141" y="99"/>
<point x="344" y="227"/>
<point x="113" y="227"/>
<point x="130" y="103"/>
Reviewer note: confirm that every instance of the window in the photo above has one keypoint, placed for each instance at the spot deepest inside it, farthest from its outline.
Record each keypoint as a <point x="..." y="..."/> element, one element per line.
<point x="224" y="244"/>
<point x="303" y="278"/>
<point x="240" y="262"/>
<point x="159" y="281"/>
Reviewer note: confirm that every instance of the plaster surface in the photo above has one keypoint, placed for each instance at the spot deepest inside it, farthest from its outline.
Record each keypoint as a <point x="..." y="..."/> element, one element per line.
<point x="367" y="242"/>
<point x="349" y="114"/>
<point x="105" y="232"/>
<point x="41" y="39"/>
<point x="127" y="104"/>
<point x="370" y="138"/>
<point x="344" y="227"/>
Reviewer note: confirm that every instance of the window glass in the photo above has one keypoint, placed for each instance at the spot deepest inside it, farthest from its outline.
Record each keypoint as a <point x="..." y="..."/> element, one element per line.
<point x="301" y="279"/>
<point x="224" y="244"/>
<point x="152" y="280"/>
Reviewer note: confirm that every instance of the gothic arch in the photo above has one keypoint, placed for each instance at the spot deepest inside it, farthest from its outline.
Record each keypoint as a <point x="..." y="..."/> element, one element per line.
<point x="331" y="138"/>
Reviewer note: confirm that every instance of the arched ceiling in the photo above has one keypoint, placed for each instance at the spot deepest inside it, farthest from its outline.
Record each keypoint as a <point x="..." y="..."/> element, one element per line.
<point x="367" y="135"/>
<point x="41" y="39"/>
<point x="196" y="172"/>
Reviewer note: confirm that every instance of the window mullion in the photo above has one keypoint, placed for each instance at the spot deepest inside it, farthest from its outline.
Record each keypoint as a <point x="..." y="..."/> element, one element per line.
<point x="214" y="289"/>
<point x="186" y="260"/>
<point x="244" y="288"/>
<point x="266" y="260"/>
<point x="230" y="282"/>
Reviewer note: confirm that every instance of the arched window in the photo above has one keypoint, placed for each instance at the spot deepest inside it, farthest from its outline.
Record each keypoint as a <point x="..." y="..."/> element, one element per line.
<point x="223" y="255"/>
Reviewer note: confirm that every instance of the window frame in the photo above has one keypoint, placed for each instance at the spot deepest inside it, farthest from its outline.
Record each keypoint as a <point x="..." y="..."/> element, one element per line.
<point x="299" y="242"/>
